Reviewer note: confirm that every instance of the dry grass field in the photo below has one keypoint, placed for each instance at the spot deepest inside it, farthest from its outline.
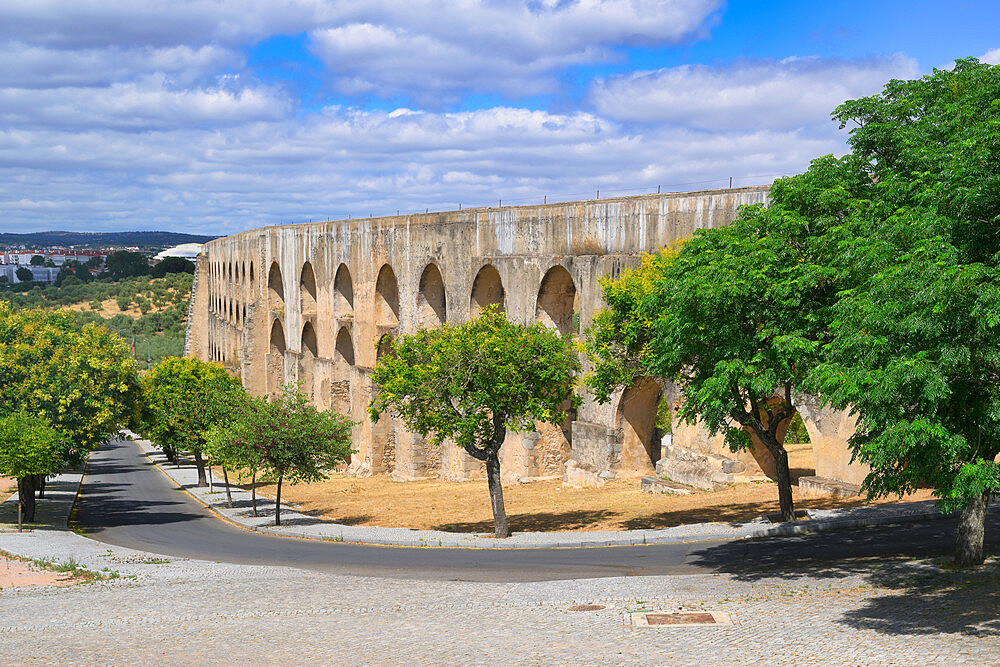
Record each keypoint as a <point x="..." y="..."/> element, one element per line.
<point x="541" y="506"/>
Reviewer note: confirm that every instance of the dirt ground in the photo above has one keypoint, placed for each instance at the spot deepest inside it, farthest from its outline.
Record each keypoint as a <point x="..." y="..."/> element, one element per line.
<point x="7" y="487"/>
<point x="542" y="506"/>
<point x="17" y="573"/>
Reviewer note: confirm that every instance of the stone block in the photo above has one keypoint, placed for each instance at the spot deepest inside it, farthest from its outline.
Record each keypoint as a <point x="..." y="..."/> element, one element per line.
<point x="824" y="486"/>
<point x="581" y="475"/>
<point x="657" y="485"/>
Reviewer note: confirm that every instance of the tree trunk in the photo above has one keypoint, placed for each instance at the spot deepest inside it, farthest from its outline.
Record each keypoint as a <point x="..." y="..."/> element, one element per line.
<point x="277" y="505"/>
<point x="253" y="491"/>
<point x="200" y="464"/>
<point x="229" y="495"/>
<point x="784" y="484"/>
<point x="26" y="496"/>
<point x="40" y="485"/>
<point x="971" y="526"/>
<point x="169" y="453"/>
<point x="496" y="494"/>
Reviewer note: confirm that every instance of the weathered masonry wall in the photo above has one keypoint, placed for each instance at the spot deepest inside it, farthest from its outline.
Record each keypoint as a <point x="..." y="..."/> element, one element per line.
<point x="317" y="303"/>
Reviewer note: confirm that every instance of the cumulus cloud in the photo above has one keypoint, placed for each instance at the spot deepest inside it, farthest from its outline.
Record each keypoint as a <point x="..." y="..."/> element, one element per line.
<point x="29" y="66"/>
<point x="992" y="57"/>
<point x="427" y="48"/>
<point x="777" y="94"/>
<point x="147" y="103"/>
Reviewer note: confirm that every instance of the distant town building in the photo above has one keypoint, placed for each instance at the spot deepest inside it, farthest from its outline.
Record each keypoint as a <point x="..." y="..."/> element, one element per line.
<point x="40" y="274"/>
<point x="23" y="257"/>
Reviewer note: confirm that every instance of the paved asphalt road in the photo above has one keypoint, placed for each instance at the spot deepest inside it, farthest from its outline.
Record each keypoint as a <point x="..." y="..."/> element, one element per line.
<point x="126" y="502"/>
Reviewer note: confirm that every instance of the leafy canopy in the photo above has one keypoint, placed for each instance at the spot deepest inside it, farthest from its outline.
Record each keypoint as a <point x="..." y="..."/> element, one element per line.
<point x="185" y="397"/>
<point x="286" y="436"/>
<point x="462" y="382"/>
<point x="30" y="446"/>
<point x="916" y="345"/>
<point x="82" y="379"/>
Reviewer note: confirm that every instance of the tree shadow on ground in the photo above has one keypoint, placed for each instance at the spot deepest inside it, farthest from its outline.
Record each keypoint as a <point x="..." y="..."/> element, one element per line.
<point x="329" y="515"/>
<point x="534" y="522"/>
<point x="914" y="588"/>
<point x="931" y="601"/>
<point x="730" y="513"/>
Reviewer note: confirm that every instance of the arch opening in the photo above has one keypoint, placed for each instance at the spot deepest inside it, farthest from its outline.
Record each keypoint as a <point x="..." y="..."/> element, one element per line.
<point x="307" y="359"/>
<point x="276" y="358"/>
<point x="487" y="289"/>
<point x="639" y="412"/>
<point x="384" y="347"/>
<point x="557" y="304"/>
<point x="344" y="351"/>
<point x="343" y="357"/>
<point x="307" y="289"/>
<point x="275" y="288"/>
<point x="343" y="292"/>
<point x="431" y="299"/>
<point x="386" y="298"/>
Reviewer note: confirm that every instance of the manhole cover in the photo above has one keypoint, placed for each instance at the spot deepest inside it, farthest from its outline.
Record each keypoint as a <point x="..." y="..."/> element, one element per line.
<point x="645" y="619"/>
<point x="586" y="607"/>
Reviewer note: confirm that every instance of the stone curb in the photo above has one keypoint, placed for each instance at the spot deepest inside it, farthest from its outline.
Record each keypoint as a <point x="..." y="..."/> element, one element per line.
<point x="405" y="537"/>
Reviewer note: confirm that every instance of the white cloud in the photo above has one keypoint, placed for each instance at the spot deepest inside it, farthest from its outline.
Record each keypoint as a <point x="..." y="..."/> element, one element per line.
<point x="761" y="93"/>
<point x="27" y="66"/>
<point x="992" y="57"/>
<point x="148" y="103"/>
<point x="426" y="49"/>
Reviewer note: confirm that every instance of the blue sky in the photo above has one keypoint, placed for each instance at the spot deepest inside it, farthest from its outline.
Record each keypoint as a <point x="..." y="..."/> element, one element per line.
<point x="218" y="116"/>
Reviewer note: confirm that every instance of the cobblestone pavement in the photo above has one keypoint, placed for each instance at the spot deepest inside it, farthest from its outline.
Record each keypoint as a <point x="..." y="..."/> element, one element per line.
<point x="194" y="612"/>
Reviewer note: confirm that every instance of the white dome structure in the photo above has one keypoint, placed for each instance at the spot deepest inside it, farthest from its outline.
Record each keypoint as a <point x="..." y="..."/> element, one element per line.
<point x="185" y="250"/>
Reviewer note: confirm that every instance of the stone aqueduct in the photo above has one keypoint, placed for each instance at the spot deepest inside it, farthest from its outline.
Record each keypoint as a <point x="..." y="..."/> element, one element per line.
<point x="318" y="302"/>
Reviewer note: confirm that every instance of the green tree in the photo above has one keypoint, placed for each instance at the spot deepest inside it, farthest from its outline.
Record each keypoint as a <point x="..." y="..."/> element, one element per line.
<point x="37" y="260"/>
<point x="24" y="274"/>
<point x="286" y="438"/>
<point x="184" y="400"/>
<point x="125" y="264"/>
<point x="735" y="316"/>
<point x="172" y="265"/>
<point x="916" y="347"/>
<point x="473" y="382"/>
<point x="29" y="447"/>
<point x="80" y="378"/>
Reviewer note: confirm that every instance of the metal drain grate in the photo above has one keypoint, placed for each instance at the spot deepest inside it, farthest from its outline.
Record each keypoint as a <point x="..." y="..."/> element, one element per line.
<point x="647" y="619"/>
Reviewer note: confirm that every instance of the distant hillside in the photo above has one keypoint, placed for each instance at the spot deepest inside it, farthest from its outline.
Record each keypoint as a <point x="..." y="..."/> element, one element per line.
<point x="103" y="239"/>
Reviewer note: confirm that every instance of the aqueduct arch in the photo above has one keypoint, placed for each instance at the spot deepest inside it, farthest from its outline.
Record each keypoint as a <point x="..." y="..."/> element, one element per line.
<point x="275" y="287"/>
<point x="557" y="305"/>
<point x="431" y="299"/>
<point x="487" y="290"/>
<point x="307" y="290"/>
<point x="386" y="298"/>
<point x="307" y="359"/>
<point x="636" y="418"/>
<point x="276" y="358"/>
<point x="343" y="290"/>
